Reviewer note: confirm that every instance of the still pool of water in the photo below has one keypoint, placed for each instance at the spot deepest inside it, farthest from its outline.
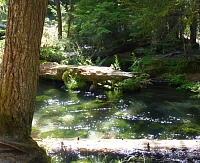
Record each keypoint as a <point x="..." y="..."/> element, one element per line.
<point x="158" y="112"/>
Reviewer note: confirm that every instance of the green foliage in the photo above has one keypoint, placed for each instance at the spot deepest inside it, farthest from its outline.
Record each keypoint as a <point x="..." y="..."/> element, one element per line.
<point x="77" y="60"/>
<point x="116" y="65"/>
<point x="189" y="129"/>
<point x="52" y="54"/>
<point x="177" y="80"/>
<point x="153" y="67"/>
<point x="98" y="159"/>
<point x="2" y="33"/>
<point x="162" y="67"/>
<point x="52" y="49"/>
<point x="101" y="24"/>
<point x="2" y="2"/>
<point x="42" y="98"/>
<point x="139" y="82"/>
<point x="182" y="65"/>
<point x="194" y="87"/>
<point x="3" y="11"/>
<point x="72" y="81"/>
<point x="162" y="23"/>
<point x="3" y="15"/>
<point x="77" y="55"/>
<point x="165" y="46"/>
<point x="145" y="51"/>
<point x="135" y="67"/>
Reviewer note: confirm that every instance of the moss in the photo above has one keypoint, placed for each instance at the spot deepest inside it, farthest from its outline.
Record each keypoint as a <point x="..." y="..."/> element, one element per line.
<point x="87" y="105"/>
<point x="52" y="110"/>
<point x="5" y="119"/>
<point x="13" y="128"/>
<point x="42" y="98"/>
<point x="65" y="134"/>
<point x="51" y="91"/>
<point x="190" y="129"/>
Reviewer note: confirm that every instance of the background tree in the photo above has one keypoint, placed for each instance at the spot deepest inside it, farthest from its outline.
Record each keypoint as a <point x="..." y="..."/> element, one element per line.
<point x="70" y="17"/>
<point x="59" y="16"/>
<point x="19" y="75"/>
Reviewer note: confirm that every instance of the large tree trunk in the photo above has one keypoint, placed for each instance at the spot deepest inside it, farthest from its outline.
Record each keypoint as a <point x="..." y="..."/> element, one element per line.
<point x="18" y="82"/>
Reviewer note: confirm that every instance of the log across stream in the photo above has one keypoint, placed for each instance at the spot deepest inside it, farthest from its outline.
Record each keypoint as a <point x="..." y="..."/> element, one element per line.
<point x="88" y="73"/>
<point x="189" y="149"/>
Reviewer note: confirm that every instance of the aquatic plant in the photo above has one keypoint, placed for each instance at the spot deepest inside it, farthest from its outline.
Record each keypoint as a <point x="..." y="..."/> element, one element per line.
<point x="42" y="98"/>
<point x="139" y="82"/>
<point x="72" y="81"/>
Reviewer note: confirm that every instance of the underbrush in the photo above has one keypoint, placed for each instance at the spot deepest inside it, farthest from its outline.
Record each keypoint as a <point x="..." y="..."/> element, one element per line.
<point x="173" y="70"/>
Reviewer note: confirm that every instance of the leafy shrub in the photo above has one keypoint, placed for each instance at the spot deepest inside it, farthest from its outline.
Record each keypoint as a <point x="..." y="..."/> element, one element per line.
<point x="165" y="46"/>
<point x="77" y="60"/>
<point x="136" y="62"/>
<point x="175" y="80"/>
<point x="52" y="49"/>
<point x="51" y="54"/>
<point x="134" y="84"/>
<point x="116" y="65"/>
<point x="194" y="87"/>
<point x="155" y="67"/>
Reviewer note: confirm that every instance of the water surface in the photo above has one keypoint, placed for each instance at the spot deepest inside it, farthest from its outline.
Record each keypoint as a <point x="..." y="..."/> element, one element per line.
<point x="158" y="112"/>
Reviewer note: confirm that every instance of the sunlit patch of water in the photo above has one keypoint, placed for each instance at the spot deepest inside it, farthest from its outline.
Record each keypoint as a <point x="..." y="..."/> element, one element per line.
<point x="102" y="97"/>
<point x="89" y="94"/>
<point x="116" y="115"/>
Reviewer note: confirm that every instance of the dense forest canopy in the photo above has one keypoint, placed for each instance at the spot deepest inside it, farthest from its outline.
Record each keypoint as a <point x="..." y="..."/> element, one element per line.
<point x="108" y="24"/>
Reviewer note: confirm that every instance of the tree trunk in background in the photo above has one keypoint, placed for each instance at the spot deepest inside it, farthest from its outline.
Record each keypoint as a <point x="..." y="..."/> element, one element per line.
<point x="70" y="18"/>
<point x="193" y="21"/>
<point x="193" y="30"/>
<point x="19" y="76"/>
<point x="59" y="19"/>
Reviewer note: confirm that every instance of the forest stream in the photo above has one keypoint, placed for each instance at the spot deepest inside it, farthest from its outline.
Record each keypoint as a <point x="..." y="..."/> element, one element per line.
<point x="157" y="112"/>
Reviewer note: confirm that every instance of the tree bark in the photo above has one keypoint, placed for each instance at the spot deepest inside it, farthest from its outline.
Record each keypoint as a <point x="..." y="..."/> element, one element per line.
<point x="19" y="76"/>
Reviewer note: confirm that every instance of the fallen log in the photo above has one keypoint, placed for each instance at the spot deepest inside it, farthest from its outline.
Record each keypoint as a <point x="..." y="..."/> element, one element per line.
<point x="124" y="150"/>
<point x="93" y="74"/>
<point x="117" y="145"/>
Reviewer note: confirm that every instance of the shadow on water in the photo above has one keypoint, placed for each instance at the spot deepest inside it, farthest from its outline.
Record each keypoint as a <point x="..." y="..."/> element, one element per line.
<point x="155" y="113"/>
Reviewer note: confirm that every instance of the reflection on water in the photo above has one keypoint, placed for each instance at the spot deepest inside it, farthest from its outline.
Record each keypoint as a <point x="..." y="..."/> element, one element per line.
<point x="156" y="112"/>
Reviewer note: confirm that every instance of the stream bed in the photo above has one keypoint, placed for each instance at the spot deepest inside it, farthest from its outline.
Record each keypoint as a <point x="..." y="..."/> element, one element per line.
<point x="157" y="112"/>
